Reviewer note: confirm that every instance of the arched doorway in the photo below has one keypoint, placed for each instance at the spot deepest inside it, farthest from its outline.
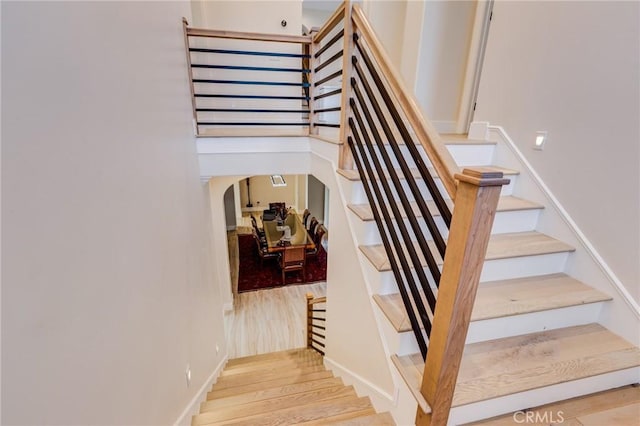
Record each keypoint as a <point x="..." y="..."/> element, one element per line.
<point x="269" y="316"/>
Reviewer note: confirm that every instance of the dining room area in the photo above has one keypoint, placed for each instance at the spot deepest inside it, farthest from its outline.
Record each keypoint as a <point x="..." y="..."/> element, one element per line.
<point x="278" y="242"/>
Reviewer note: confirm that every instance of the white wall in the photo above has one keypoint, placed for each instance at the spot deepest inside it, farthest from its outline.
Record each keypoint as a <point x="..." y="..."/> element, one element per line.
<point x="316" y="198"/>
<point x="428" y="41"/>
<point x="444" y="47"/>
<point x="387" y="19"/>
<point x="106" y="283"/>
<point x="263" y="192"/>
<point x="249" y="15"/>
<point x="572" y="69"/>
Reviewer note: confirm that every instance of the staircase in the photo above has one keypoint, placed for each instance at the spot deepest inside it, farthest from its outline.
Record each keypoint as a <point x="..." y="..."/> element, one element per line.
<point x="533" y="337"/>
<point x="540" y="329"/>
<point x="282" y="388"/>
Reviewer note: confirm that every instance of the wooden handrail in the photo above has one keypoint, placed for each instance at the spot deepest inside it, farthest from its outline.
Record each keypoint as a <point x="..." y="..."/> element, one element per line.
<point x="345" y="160"/>
<point x="240" y="35"/>
<point x="476" y="202"/>
<point x="426" y="133"/>
<point x="331" y="23"/>
<point x="311" y="301"/>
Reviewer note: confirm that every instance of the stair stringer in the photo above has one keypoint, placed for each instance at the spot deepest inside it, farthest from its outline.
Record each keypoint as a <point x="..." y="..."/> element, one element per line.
<point x="585" y="264"/>
<point x="397" y="399"/>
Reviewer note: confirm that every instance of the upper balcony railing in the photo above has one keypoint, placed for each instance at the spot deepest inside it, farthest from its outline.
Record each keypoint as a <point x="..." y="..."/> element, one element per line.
<point x="339" y="83"/>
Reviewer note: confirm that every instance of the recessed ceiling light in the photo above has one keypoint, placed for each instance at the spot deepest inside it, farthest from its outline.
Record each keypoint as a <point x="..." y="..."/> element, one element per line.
<point x="278" y="180"/>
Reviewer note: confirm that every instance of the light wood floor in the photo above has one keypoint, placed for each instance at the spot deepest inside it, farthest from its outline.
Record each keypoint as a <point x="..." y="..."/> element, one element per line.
<point x="265" y="320"/>
<point x="615" y="407"/>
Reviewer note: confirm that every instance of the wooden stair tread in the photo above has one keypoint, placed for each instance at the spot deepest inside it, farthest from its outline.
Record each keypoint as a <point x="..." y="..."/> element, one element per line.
<point x="305" y="413"/>
<point x="267" y="406"/>
<point x="256" y="377"/>
<point x="505" y="203"/>
<point x="288" y="354"/>
<point x="501" y="246"/>
<point x="253" y="387"/>
<point x="288" y="387"/>
<point x="268" y="369"/>
<point x="501" y="367"/>
<point x="269" y="365"/>
<point x="354" y="175"/>
<point x="269" y="393"/>
<point x="381" y="419"/>
<point x="345" y="418"/>
<point x="508" y="297"/>
<point x="582" y="407"/>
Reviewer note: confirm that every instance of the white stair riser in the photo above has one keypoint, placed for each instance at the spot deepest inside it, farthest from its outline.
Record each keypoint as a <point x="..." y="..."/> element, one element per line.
<point x="464" y="155"/>
<point x="525" y="266"/>
<point x="505" y="222"/>
<point x="493" y="270"/>
<point x="540" y="396"/>
<point x="367" y="232"/>
<point x="497" y="328"/>
<point x="358" y="195"/>
<point x="533" y="322"/>
<point x="472" y="155"/>
<point x="398" y="343"/>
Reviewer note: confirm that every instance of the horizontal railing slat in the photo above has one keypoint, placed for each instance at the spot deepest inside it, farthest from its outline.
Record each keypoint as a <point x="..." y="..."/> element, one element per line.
<point x="326" y="95"/>
<point x="284" y="111"/>
<point x="231" y="96"/>
<point x="239" y="35"/>
<point x="328" y="61"/>
<point x="328" y="44"/>
<point x="266" y="123"/>
<point x="250" y="82"/>
<point x="247" y="52"/>
<point x="248" y="68"/>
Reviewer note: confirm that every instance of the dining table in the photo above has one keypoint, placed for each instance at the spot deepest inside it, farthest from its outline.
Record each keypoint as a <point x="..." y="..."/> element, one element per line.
<point x="274" y="232"/>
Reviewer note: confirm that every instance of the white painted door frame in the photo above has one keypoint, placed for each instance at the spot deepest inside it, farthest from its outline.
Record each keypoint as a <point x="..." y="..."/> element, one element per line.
<point x="473" y="70"/>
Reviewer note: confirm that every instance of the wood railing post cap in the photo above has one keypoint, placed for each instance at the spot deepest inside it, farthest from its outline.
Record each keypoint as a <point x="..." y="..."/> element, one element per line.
<point x="482" y="176"/>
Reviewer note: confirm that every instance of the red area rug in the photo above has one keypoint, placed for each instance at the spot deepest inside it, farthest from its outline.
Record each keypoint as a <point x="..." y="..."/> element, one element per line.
<point x="254" y="277"/>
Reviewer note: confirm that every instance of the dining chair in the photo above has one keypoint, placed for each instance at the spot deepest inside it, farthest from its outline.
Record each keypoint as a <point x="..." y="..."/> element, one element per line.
<point x="317" y="241"/>
<point x="293" y="259"/>
<point x="263" y="249"/>
<point x="305" y="217"/>
<point x="312" y="226"/>
<point x="260" y="231"/>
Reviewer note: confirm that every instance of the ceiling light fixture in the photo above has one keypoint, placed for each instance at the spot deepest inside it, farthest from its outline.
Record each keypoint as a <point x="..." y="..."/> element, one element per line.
<point x="278" y="180"/>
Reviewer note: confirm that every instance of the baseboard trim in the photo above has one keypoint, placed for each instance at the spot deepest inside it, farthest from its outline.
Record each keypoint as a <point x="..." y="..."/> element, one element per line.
<point x="380" y="399"/>
<point x="193" y="407"/>
<point x="589" y="247"/>
<point x="479" y="130"/>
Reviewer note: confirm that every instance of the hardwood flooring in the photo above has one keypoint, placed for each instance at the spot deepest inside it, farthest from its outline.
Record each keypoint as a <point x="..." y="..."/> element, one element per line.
<point x="615" y="407"/>
<point x="268" y="320"/>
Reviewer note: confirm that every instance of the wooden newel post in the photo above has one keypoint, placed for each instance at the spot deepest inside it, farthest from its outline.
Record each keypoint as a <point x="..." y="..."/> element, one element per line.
<point x="309" y="319"/>
<point x="475" y="206"/>
<point x="346" y="161"/>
